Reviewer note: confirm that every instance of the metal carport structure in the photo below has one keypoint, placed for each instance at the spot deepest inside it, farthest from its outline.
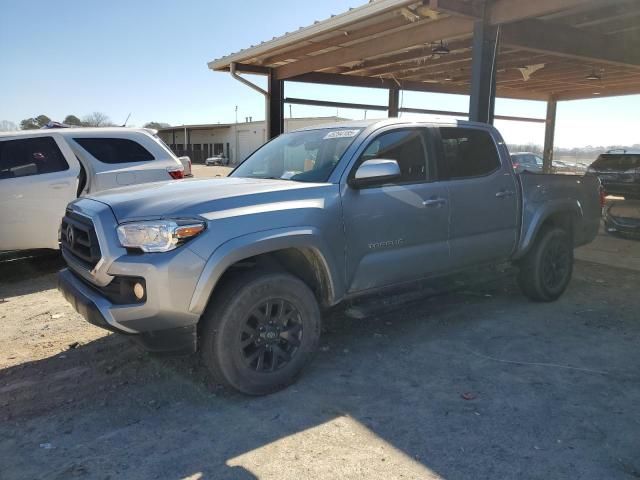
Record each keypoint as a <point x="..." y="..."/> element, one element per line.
<point x="549" y="50"/>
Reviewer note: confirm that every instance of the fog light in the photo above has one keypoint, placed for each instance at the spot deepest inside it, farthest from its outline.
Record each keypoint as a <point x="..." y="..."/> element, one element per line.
<point x="138" y="291"/>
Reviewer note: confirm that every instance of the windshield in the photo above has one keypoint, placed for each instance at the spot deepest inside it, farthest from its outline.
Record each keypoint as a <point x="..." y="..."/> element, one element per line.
<point x="307" y="156"/>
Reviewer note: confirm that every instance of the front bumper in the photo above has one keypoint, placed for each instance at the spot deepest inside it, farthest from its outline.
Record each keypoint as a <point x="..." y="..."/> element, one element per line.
<point x="97" y="310"/>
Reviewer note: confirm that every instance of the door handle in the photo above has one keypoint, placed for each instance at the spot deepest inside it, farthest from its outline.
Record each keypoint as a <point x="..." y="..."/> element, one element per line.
<point x="434" y="202"/>
<point x="59" y="185"/>
<point x="505" y="193"/>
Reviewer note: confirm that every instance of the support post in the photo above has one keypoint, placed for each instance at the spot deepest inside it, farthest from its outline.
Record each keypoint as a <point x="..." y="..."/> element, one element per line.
<point x="549" y="134"/>
<point x="275" y="106"/>
<point x="483" y="70"/>
<point x="394" y="102"/>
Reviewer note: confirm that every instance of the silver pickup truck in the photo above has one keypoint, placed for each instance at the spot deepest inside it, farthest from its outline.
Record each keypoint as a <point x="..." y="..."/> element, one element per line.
<point x="240" y="268"/>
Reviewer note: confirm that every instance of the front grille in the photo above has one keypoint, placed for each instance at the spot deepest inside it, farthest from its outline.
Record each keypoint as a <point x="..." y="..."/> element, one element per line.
<point x="78" y="238"/>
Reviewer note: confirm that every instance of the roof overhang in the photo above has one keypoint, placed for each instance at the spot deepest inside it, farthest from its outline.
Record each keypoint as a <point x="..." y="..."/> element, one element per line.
<point x="548" y="48"/>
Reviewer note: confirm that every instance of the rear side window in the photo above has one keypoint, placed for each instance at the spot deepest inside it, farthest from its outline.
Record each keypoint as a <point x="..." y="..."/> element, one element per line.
<point x="617" y="162"/>
<point x="469" y="152"/>
<point x="404" y="146"/>
<point x="30" y="156"/>
<point x="115" y="150"/>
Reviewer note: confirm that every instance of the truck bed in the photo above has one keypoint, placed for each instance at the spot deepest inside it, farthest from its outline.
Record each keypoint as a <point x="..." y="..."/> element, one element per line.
<point x="544" y="194"/>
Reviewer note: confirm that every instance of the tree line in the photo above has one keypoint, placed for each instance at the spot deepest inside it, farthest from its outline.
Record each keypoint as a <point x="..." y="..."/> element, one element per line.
<point x="95" y="119"/>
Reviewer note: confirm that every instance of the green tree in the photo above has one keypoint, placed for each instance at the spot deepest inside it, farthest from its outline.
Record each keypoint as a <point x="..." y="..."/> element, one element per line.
<point x="156" y="125"/>
<point x="28" y="124"/>
<point x="34" y="123"/>
<point x="72" y="120"/>
<point x="42" y="120"/>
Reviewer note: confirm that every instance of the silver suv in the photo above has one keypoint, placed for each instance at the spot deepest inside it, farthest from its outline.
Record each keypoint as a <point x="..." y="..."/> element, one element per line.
<point x="240" y="268"/>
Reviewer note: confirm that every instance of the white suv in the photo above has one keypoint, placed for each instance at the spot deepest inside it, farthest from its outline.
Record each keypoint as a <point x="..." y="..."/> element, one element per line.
<point x="41" y="171"/>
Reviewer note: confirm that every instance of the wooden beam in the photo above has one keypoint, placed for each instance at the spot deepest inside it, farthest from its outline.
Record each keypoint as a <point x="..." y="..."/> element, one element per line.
<point x="246" y="68"/>
<point x="611" y="92"/>
<point x="343" y="36"/>
<point x="369" y="82"/>
<point x="462" y="64"/>
<point x="569" y="42"/>
<point x="460" y="8"/>
<point x="506" y="11"/>
<point x="606" y="14"/>
<point x="370" y="67"/>
<point x="394" y="42"/>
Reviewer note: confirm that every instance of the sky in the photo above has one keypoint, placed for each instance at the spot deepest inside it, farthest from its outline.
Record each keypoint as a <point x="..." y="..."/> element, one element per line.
<point x="150" y="59"/>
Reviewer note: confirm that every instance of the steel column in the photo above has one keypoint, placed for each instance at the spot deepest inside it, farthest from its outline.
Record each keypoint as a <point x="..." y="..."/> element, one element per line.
<point x="275" y="106"/>
<point x="394" y="102"/>
<point x="549" y="134"/>
<point x="483" y="70"/>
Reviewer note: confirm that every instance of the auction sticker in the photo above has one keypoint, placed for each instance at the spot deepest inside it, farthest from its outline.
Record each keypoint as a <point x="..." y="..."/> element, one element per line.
<point x="341" y="134"/>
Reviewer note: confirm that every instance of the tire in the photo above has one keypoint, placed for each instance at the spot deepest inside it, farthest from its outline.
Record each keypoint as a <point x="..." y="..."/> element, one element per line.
<point x="260" y="330"/>
<point x="546" y="269"/>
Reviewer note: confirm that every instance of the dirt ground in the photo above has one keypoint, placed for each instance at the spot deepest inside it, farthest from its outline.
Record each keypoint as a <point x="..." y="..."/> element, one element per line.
<point x="480" y="383"/>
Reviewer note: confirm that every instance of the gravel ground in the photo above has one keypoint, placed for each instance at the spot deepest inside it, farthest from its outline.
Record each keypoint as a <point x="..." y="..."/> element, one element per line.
<point x="480" y="383"/>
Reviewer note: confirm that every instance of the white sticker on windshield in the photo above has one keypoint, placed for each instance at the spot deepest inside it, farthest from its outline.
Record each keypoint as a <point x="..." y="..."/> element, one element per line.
<point x="341" y="134"/>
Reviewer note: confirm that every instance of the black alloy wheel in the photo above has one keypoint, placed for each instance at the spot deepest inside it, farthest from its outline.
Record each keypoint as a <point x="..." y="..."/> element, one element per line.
<point x="271" y="335"/>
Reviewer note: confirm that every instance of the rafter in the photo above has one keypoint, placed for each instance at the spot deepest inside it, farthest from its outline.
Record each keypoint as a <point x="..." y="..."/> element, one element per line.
<point x="386" y="44"/>
<point x="568" y="42"/>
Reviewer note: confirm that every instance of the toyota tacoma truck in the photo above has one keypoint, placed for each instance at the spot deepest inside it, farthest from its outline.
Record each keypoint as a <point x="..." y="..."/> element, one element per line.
<point x="240" y="268"/>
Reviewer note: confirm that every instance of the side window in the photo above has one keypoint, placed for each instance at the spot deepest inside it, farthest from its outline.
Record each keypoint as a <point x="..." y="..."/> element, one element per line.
<point x="115" y="150"/>
<point x="404" y="146"/>
<point x="30" y="156"/>
<point x="469" y="152"/>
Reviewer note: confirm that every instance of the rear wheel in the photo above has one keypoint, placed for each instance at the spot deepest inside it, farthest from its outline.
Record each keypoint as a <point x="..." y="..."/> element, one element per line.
<point x="260" y="332"/>
<point x="546" y="269"/>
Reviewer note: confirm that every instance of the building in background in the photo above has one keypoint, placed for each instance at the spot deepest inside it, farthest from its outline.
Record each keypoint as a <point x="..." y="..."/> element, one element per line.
<point x="236" y="141"/>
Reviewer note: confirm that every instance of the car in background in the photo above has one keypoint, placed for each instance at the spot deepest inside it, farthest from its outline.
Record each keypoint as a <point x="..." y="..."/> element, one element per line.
<point x="216" y="160"/>
<point x="41" y="171"/>
<point x="186" y="163"/>
<point x="623" y="218"/>
<point x="619" y="172"/>
<point x="526" y="161"/>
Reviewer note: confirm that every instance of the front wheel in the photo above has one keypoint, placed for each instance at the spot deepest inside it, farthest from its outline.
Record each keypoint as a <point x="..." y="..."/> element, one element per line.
<point x="260" y="332"/>
<point x="546" y="269"/>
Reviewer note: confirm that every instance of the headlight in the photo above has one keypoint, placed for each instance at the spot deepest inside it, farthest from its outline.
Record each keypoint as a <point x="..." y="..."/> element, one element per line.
<point x="158" y="235"/>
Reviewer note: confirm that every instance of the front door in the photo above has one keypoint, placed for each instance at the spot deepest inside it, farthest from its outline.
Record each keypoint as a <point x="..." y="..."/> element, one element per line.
<point x="483" y="195"/>
<point x="396" y="232"/>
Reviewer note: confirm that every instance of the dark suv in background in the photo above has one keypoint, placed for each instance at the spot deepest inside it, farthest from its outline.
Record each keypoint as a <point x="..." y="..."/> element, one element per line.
<point x="619" y="172"/>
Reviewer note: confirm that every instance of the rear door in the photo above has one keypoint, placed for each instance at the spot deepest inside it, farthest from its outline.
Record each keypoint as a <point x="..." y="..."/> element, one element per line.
<point x="123" y="159"/>
<point x="36" y="182"/>
<point x="398" y="231"/>
<point x="483" y="196"/>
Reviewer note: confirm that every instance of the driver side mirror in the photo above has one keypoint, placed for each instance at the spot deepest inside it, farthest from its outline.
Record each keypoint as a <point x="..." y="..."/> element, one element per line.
<point x="375" y="172"/>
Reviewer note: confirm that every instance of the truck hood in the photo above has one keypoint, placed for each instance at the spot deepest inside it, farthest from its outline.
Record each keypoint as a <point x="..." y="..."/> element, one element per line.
<point x="196" y="197"/>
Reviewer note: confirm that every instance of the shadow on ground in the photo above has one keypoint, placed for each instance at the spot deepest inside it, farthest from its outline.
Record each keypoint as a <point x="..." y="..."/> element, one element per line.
<point x="476" y="384"/>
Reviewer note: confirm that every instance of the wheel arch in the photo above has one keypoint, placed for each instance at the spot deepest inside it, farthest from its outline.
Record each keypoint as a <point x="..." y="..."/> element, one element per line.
<point x="562" y="213"/>
<point x="300" y="251"/>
